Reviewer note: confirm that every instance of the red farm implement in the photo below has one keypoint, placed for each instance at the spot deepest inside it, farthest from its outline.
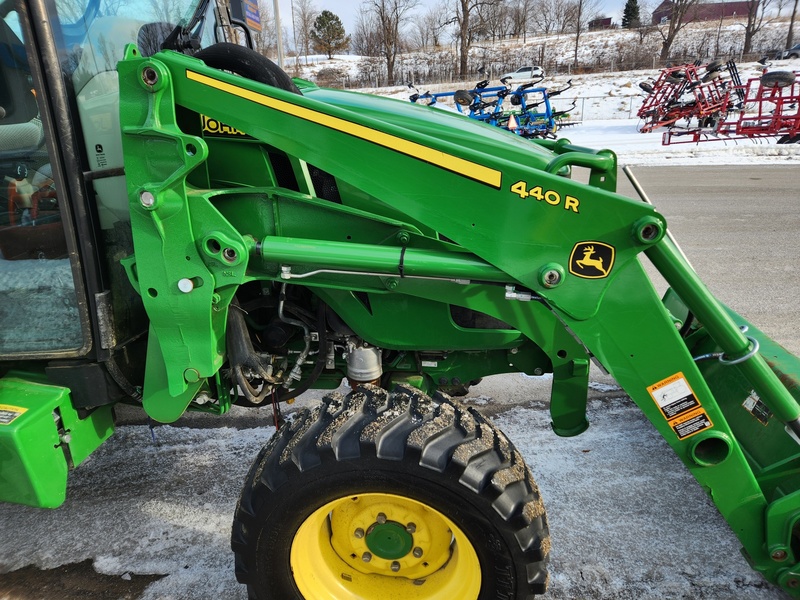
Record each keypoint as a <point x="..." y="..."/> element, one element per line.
<point x="698" y="103"/>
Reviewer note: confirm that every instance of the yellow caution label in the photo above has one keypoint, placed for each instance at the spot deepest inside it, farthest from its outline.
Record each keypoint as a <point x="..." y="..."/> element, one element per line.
<point x="689" y="424"/>
<point x="679" y="405"/>
<point x="9" y="413"/>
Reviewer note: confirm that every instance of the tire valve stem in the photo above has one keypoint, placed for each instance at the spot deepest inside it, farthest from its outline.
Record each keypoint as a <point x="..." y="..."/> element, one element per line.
<point x="366" y="557"/>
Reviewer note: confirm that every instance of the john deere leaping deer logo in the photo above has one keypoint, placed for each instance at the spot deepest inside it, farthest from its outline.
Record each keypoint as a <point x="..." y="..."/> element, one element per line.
<point x="591" y="260"/>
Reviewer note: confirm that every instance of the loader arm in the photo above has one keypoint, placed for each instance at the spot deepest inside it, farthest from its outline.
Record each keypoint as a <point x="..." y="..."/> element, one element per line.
<point x="455" y="212"/>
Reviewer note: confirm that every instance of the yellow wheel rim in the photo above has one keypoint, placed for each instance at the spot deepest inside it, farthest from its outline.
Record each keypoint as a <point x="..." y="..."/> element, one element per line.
<point x="383" y="546"/>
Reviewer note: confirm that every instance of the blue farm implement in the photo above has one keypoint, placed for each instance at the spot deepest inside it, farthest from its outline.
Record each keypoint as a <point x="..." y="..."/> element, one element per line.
<point x="531" y="114"/>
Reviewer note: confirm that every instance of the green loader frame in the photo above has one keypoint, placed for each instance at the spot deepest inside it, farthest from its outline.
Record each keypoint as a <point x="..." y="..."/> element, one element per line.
<point x="497" y="230"/>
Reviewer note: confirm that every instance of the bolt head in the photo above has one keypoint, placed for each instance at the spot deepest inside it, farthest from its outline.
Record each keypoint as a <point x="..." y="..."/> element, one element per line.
<point x="359" y="533"/>
<point x="395" y="566"/>
<point x="411" y="527"/>
<point x="147" y="199"/>
<point x="779" y="555"/>
<point x="552" y="277"/>
<point x="186" y="285"/>
<point x="366" y="557"/>
<point x="417" y="552"/>
<point x="381" y="518"/>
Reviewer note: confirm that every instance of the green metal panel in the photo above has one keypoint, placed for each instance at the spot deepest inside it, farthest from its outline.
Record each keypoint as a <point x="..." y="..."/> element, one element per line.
<point x="41" y="437"/>
<point x="33" y="467"/>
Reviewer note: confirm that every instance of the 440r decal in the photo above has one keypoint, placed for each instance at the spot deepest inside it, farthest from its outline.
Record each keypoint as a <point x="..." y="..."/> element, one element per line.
<point x="552" y="197"/>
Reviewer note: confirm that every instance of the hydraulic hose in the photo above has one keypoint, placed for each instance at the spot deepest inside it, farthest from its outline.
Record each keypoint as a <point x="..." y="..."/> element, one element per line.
<point x="319" y="366"/>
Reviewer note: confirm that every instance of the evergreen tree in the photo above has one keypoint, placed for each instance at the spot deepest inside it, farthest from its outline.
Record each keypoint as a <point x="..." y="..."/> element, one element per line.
<point x="630" y="14"/>
<point x="328" y="34"/>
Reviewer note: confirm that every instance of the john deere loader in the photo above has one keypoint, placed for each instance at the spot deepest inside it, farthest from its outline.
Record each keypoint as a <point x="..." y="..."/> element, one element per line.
<point x="186" y="228"/>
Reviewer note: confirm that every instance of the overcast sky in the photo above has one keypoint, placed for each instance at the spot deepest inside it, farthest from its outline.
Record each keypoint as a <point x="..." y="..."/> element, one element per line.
<point x="347" y="10"/>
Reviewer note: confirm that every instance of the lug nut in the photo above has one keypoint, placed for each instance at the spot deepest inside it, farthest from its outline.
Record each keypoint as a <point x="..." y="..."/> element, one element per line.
<point x="395" y="566"/>
<point x="411" y="527"/>
<point x="417" y="552"/>
<point x="381" y="518"/>
<point x="366" y="557"/>
<point x="359" y="533"/>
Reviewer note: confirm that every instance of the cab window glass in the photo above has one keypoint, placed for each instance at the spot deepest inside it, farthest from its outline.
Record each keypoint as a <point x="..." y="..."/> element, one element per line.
<point x="38" y="304"/>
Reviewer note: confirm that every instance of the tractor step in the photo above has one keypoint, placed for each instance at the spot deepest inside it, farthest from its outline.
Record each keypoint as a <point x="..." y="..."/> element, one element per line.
<point x="41" y="438"/>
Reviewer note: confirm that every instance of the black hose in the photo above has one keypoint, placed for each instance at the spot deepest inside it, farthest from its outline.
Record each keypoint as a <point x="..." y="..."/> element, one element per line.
<point x="319" y="366"/>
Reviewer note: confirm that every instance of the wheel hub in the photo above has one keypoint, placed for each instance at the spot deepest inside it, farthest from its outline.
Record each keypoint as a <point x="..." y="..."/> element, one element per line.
<point x="389" y="540"/>
<point x="389" y="535"/>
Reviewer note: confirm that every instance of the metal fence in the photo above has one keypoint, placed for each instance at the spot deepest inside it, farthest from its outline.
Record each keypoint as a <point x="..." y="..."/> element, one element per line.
<point x="592" y="108"/>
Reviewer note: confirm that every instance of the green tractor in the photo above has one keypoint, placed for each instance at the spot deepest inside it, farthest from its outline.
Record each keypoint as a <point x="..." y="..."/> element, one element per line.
<point x="188" y="228"/>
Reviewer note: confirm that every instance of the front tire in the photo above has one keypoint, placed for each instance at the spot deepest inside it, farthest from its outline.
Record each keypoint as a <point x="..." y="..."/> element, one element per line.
<point x="379" y="495"/>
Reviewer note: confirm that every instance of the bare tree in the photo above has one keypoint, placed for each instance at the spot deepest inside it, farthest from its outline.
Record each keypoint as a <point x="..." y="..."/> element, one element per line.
<point x="303" y="14"/>
<point x="495" y="21"/>
<point x="364" y="39"/>
<point x="266" y="40"/>
<point x="681" y="9"/>
<point x="789" y="36"/>
<point x="519" y="17"/>
<point x="581" y="12"/>
<point x="390" y="16"/>
<point x="551" y="15"/>
<point x="426" y="28"/>
<point x="756" y="13"/>
<point x="466" y="28"/>
<point x="167" y="11"/>
<point x="645" y="27"/>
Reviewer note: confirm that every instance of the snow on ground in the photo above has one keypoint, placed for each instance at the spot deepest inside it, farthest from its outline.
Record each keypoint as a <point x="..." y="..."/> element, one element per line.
<point x="163" y="504"/>
<point x="634" y="148"/>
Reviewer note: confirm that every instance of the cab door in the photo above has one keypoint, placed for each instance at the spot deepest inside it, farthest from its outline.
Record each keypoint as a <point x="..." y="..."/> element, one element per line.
<point x="42" y="310"/>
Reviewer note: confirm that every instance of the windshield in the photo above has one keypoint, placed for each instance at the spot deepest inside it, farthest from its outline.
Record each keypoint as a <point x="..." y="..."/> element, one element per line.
<point x="152" y="19"/>
<point x="81" y="13"/>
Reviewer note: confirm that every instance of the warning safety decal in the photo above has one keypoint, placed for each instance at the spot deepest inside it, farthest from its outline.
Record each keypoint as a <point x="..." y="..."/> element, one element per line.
<point x="694" y="422"/>
<point x="9" y="413"/>
<point x="680" y="406"/>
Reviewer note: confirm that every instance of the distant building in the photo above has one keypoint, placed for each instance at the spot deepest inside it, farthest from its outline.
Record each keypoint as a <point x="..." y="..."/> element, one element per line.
<point x="701" y="12"/>
<point x="600" y="23"/>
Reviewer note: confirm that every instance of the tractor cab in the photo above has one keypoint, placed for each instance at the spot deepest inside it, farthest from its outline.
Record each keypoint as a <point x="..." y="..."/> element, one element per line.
<point x="69" y="318"/>
<point x="64" y="221"/>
